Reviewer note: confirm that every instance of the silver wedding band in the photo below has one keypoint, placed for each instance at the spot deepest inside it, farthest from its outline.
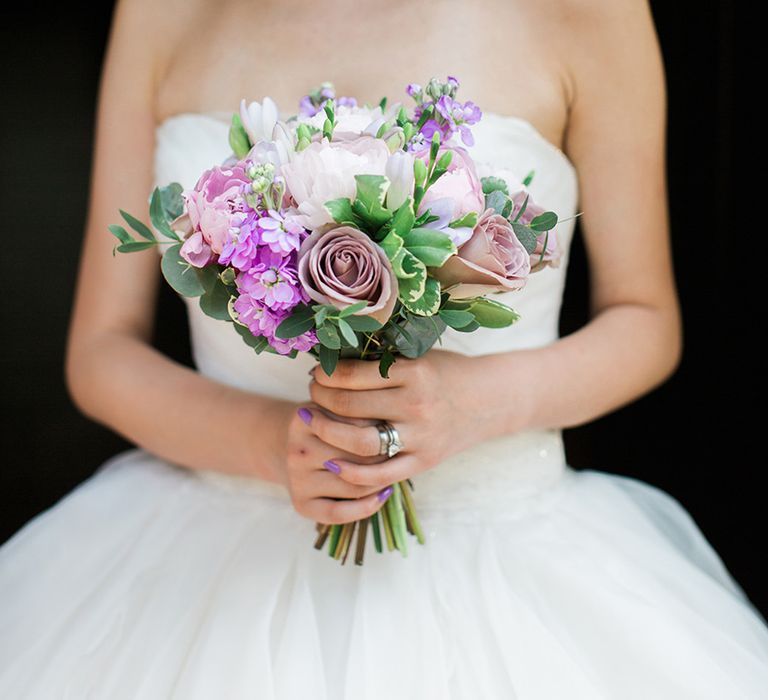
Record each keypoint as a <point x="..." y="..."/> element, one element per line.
<point x="389" y="439"/>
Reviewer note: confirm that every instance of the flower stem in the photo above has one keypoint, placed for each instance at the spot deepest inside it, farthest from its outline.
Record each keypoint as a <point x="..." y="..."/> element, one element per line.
<point x="376" y="532"/>
<point x="410" y="513"/>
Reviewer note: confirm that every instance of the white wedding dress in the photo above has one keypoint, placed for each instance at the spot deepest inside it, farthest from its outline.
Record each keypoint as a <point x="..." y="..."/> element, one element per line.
<point x="537" y="582"/>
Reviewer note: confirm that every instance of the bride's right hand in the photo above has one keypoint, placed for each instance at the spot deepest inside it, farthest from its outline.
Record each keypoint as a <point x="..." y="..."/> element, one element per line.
<point x="316" y="491"/>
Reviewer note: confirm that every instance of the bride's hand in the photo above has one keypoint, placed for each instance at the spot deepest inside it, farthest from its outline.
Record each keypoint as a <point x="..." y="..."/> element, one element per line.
<point x="316" y="492"/>
<point x="425" y="399"/>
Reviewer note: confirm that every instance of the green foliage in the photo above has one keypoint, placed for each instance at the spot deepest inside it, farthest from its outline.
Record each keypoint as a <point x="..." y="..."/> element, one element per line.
<point x="329" y="358"/>
<point x="215" y="301"/>
<point x="431" y="246"/>
<point x="544" y="222"/>
<point x="342" y="212"/>
<point x="182" y="276"/>
<point x="158" y="217"/>
<point x="526" y="236"/>
<point x="258" y="342"/>
<point x="369" y="201"/>
<point x="301" y="320"/>
<point x="140" y="228"/>
<point x="238" y="137"/>
<point x="172" y="201"/>
<point x="494" y="184"/>
<point x="429" y="302"/>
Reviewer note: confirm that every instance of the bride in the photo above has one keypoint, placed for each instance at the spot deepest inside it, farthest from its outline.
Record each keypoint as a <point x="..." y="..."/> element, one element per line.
<point x="184" y="568"/>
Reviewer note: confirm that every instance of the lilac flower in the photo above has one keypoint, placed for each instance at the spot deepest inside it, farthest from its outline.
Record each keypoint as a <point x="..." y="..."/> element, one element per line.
<point x="262" y="321"/>
<point x="282" y="233"/>
<point x="272" y="280"/>
<point x="243" y="245"/>
<point x="457" y="116"/>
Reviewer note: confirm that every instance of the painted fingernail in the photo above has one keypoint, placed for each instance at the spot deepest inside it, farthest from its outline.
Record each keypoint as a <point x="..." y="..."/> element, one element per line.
<point x="305" y="414"/>
<point x="385" y="493"/>
<point x="332" y="466"/>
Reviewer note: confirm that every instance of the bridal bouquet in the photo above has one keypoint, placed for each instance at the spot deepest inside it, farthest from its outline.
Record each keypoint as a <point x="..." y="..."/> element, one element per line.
<point x="351" y="231"/>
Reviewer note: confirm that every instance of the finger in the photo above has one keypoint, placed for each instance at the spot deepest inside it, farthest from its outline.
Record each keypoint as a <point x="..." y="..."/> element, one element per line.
<point x="332" y="512"/>
<point x="398" y="468"/>
<point x="358" y="374"/>
<point x="382" y="404"/>
<point x="358" y="440"/>
<point x="327" y="484"/>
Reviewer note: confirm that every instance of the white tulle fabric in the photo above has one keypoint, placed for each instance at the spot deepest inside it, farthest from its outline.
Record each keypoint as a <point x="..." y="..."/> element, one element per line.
<point x="537" y="582"/>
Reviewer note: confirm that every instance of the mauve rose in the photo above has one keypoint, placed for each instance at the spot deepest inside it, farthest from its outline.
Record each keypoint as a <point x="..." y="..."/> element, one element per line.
<point x="547" y="250"/>
<point x="211" y="203"/>
<point x="492" y="260"/>
<point x="340" y="265"/>
<point x="460" y="183"/>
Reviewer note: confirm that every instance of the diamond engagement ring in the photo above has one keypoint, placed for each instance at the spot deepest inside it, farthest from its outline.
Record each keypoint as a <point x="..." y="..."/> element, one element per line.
<point x="389" y="439"/>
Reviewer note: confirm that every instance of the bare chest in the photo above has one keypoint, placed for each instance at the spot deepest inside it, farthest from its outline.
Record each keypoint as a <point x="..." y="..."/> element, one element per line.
<point x="369" y="50"/>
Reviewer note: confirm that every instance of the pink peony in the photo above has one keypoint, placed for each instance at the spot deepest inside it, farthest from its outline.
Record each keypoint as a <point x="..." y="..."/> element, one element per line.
<point x="460" y="184"/>
<point x="324" y="171"/>
<point x="492" y="260"/>
<point x="217" y="195"/>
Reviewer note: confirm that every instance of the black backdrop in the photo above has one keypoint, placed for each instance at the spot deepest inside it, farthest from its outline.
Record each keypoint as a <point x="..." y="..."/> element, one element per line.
<point x="686" y="437"/>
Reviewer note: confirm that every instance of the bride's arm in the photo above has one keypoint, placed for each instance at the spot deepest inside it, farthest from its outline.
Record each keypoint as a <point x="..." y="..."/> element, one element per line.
<point x="443" y="401"/>
<point x="113" y="373"/>
<point x="617" y="139"/>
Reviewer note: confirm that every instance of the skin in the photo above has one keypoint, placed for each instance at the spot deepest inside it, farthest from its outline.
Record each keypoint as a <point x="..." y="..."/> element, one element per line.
<point x="587" y="74"/>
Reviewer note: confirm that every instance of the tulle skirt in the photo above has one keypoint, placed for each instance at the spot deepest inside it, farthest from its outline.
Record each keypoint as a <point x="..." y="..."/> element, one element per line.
<point x="148" y="582"/>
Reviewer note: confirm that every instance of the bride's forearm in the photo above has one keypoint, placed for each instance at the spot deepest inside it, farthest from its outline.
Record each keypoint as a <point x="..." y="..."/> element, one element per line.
<point x="175" y="412"/>
<point x="621" y="354"/>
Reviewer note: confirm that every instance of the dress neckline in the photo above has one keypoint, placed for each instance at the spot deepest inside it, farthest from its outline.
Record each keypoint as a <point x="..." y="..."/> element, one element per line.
<point x="223" y="118"/>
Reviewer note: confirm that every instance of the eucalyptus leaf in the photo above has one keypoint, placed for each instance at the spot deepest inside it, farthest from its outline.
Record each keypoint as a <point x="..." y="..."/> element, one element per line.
<point x="348" y="333"/>
<point x="120" y="233"/>
<point x="173" y="202"/>
<point x="134" y="246"/>
<point x="494" y="184"/>
<point x="329" y="336"/>
<point x="496" y="200"/>
<point x="215" y="302"/>
<point x="140" y="228"/>
<point x="544" y="222"/>
<point x="363" y="323"/>
<point x="422" y="333"/>
<point x="385" y="362"/>
<point x="329" y="358"/>
<point x="180" y="274"/>
<point x="525" y="236"/>
<point x="353" y="308"/>
<point x="258" y="342"/>
<point x="158" y="218"/>
<point x="301" y="320"/>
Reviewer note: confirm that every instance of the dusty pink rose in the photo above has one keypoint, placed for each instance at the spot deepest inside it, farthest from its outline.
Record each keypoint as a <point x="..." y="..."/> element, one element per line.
<point x="492" y="260"/>
<point x="340" y="265"/>
<point x="212" y="202"/>
<point x="460" y="184"/>
<point x="547" y="250"/>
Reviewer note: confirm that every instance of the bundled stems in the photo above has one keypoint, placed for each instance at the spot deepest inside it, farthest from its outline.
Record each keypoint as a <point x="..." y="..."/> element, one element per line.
<point x="397" y="517"/>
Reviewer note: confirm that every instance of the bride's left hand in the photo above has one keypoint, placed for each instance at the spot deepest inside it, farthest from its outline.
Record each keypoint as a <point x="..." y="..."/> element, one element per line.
<point x="426" y="399"/>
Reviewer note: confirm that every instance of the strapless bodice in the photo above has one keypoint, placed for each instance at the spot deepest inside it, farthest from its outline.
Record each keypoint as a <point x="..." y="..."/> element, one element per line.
<point x="189" y="143"/>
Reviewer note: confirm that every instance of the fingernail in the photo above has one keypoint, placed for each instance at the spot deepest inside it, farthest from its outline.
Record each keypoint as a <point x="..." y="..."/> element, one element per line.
<point x="305" y="414"/>
<point x="385" y="493"/>
<point x="311" y="372"/>
<point x="332" y="466"/>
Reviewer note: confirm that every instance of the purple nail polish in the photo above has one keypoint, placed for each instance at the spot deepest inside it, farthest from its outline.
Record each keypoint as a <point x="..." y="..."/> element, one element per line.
<point x="305" y="414"/>
<point x="332" y="466"/>
<point x="386" y="493"/>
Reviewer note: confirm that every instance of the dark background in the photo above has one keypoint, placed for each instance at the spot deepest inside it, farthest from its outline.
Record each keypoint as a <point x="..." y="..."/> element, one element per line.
<point x="688" y="437"/>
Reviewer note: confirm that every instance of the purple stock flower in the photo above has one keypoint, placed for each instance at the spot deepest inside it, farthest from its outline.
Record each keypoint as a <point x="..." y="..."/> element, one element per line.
<point x="282" y="233"/>
<point x="457" y="116"/>
<point x="273" y="280"/>
<point x="243" y="245"/>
